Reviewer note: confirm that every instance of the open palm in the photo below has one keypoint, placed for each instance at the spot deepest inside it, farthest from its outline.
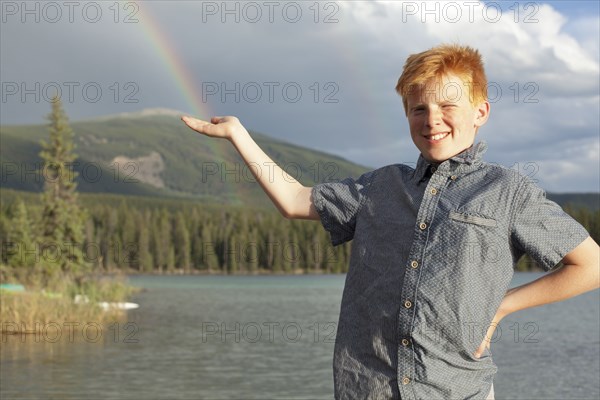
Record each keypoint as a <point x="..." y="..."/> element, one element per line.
<point x="221" y="127"/>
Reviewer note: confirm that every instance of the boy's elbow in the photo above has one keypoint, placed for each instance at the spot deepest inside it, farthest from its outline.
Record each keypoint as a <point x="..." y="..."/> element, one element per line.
<point x="299" y="213"/>
<point x="310" y="214"/>
<point x="285" y="211"/>
<point x="289" y="214"/>
<point x="300" y="206"/>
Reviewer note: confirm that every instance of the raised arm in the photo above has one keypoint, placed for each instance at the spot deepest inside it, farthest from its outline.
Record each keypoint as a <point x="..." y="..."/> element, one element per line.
<point x="290" y="197"/>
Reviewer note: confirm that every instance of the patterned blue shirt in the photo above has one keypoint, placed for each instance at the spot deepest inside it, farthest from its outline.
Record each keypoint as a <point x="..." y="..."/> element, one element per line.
<point x="433" y="253"/>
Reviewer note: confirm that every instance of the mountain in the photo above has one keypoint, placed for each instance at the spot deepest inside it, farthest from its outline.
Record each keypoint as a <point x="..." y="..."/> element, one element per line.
<point x="152" y="153"/>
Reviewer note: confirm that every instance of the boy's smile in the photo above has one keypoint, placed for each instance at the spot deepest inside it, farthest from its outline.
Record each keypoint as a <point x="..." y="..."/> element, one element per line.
<point x="442" y="120"/>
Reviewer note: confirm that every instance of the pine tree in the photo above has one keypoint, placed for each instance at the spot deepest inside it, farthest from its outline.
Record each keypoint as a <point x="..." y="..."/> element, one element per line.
<point x="21" y="239"/>
<point x="145" y="261"/>
<point x="62" y="222"/>
<point x="209" y="253"/>
<point x="251" y="251"/>
<point x="162" y="241"/>
<point x="275" y="248"/>
<point x="233" y="255"/>
<point x="110" y="242"/>
<point x="171" y="259"/>
<point x="129" y="237"/>
<point x="183" y="247"/>
<point x="5" y="228"/>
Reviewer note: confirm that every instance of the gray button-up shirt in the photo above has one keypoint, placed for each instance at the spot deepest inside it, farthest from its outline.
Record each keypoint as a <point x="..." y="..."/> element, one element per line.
<point x="432" y="257"/>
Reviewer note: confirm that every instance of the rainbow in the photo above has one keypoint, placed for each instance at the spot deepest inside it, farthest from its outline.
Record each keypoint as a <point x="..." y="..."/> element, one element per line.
<point x="165" y="49"/>
<point x="185" y="82"/>
<point x="188" y="86"/>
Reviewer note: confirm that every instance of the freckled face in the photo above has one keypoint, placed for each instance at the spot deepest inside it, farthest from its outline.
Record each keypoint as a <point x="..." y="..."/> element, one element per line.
<point x="442" y="120"/>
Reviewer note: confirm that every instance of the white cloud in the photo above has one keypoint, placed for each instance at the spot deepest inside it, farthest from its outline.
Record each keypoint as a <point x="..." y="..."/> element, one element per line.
<point x="536" y="51"/>
<point x="576" y="166"/>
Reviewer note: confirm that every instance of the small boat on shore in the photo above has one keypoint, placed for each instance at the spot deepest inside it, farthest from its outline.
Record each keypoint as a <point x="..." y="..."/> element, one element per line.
<point x="105" y="305"/>
<point x="118" y="306"/>
<point x="12" y="287"/>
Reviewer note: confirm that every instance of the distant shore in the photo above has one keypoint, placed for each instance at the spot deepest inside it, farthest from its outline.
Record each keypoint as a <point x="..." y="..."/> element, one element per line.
<point x="178" y="272"/>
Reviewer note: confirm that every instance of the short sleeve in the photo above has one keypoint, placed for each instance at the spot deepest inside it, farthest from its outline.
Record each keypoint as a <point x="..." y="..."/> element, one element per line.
<point x="338" y="204"/>
<point x="542" y="229"/>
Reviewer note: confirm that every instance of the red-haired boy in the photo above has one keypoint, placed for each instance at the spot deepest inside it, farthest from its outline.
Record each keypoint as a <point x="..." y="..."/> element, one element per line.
<point x="434" y="247"/>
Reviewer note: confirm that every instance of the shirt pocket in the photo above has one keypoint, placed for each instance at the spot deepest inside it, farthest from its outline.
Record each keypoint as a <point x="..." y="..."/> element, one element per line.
<point x="474" y="219"/>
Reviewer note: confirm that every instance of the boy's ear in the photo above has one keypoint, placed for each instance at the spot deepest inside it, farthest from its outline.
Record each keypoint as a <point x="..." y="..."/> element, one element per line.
<point x="482" y="113"/>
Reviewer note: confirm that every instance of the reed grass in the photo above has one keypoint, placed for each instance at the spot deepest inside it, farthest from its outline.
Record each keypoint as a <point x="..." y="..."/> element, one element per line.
<point x="51" y="305"/>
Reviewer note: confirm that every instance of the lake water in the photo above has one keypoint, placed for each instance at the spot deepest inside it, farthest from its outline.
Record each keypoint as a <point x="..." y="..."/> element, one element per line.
<point x="271" y="337"/>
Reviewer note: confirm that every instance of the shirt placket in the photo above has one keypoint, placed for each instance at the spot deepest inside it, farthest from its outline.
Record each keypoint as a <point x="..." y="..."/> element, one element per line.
<point x="406" y="372"/>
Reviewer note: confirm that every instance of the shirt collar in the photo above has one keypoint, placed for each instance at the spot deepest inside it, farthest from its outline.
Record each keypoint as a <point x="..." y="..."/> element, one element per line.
<point x="457" y="164"/>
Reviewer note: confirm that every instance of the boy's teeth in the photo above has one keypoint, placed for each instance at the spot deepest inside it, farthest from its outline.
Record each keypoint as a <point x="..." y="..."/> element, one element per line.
<point x="438" y="136"/>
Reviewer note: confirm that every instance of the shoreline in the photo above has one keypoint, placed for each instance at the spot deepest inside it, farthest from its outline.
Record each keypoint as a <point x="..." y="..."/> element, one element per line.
<point x="244" y="273"/>
<point x="182" y="272"/>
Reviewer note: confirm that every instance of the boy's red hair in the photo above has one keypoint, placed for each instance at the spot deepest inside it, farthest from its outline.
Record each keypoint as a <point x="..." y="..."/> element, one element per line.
<point x="431" y="65"/>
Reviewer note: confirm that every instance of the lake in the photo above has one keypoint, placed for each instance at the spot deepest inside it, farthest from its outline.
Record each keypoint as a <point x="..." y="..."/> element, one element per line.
<point x="271" y="337"/>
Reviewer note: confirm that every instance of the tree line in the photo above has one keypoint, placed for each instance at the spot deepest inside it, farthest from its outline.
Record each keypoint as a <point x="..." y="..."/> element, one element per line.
<point x="133" y="236"/>
<point x="189" y="239"/>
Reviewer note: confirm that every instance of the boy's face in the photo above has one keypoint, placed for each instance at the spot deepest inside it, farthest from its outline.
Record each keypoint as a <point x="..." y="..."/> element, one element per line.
<point x="442" y="120"/>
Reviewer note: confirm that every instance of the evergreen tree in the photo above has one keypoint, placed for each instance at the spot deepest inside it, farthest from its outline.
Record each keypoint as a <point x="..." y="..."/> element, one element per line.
<point x="145" y="261"/>
<point x="210" y="260"/>
<point x="129" y="237"/>
<point x="251" y="251"/>
<point x="182" y="243"/>
<point x="275" y="249"/>
<point x="170" y="259"/>
<point x="294" y="252"/>
<point x="162" y="240"/>
<point x="195" y="229"/>
<point x="62" y="221"/>
<point x="20" y="248"/>
<point x="110" y="257"/>
<point x="233" y="255"/>
<point x="5" y="225"/>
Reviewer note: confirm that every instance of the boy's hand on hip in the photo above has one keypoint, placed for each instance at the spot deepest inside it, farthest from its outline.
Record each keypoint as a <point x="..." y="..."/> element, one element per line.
<point x="220" y="127"/>
<point x="485" y="344"/>
<point x="503" y="310"/>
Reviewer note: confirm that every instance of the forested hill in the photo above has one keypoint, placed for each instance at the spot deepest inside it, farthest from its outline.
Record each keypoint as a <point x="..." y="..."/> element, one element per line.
<point x="152" y="153"/>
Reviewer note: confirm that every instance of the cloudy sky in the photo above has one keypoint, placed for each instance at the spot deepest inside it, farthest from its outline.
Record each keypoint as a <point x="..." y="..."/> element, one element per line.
<point x="317" y="74"/>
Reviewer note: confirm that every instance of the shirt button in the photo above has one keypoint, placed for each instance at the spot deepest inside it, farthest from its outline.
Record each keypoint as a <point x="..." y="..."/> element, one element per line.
<point x="405" y="380"/>
<point x="422" y="226"/>
<point x="433" y="191"/>
<point x="405" y="342"/>
<point x="453" y="177"/>
<point x="414" y="264"/>
<point x="408" y="304"/>
<point x="433" y="169"/>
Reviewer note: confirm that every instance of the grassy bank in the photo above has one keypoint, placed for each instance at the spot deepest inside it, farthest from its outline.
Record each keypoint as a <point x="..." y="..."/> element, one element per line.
<point x="43" y="307"/>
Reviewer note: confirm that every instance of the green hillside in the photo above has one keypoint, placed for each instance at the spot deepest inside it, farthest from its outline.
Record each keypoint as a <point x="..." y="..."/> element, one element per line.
<point x="155" y="154"/>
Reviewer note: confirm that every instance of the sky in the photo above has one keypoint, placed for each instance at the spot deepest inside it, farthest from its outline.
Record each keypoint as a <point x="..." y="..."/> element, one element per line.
<point x="316" y="74"/>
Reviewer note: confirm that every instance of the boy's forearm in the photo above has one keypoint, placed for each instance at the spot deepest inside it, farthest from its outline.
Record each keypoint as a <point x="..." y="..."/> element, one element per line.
<point x="578" y="275"/>
<point x="289" y="196"/>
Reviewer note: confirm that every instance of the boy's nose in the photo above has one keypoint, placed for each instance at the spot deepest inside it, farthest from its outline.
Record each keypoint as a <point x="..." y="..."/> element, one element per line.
<point x="434" y="118"/>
